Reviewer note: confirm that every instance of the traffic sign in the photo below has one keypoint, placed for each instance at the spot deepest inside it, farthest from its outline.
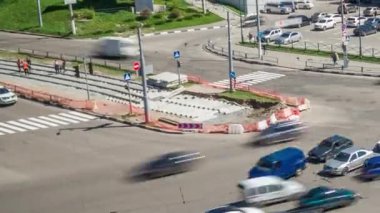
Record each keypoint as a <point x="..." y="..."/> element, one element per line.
<point x="127" y="76"/>
<point x="232" y="74"/>
<point x="176" y="54"/>
<point x="190" y="125"/>
<point x="136" y="65"/>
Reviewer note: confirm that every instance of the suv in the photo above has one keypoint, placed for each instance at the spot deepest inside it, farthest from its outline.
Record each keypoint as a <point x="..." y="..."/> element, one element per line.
<point x="355" y="21"/>
<point x="277" y="8"/>
<point x="325" y="23"/>
<point x="282" y="131"/>
<point x="317" y="16"/>
<point x="371" y="11"/>
<point x="271" y="34"/>
<point x="306" y="4"/>
<point x="329" y="148"/>
<point x="348" y="8"/>
<point x="374" y="22"/>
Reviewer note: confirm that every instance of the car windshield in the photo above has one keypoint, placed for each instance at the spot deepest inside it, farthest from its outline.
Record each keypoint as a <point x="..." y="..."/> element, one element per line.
<point x="265" y="164"/>
<point x="285" y="35"/>
<point x="322" y="21"/>
<point x="370" y="20"/>
<point x="266" y="32"/>
<point x="3" y="90"/>
<point x="326" y="143"/>
<point x="343" y="157"/>
<point x="351" y="19"/>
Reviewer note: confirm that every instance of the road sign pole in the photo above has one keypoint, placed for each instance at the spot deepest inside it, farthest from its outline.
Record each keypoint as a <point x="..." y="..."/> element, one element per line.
<point x="130" y="99"/>
<point x="230" y="65"/>
<point x="143" y="77"/>
<point x="178" y="72"/>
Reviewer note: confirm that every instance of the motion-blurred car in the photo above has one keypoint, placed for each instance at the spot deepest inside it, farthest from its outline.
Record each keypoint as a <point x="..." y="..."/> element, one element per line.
<point x="277" y="8"/>
<point x="347" y="160"/>
<point x="329" y="148"/>
<point x="364" y="30"/>
<point x="271" y="34"/>
<point x="355" y="21"/>
<point x="304" y="21"/>
<point x="116" y="47"/>
<point x="251" y="21"/>
<point x="371" y="169"/>
<point x="6" y="96"/>
<point x="269" y="189"/>
<point x="374" y="22"/>
<point x="317" y="16"/>
<point x="281" y="132"/>
<point x="324" y="24"/>
<point x="233" y="209"/>
<point x="371" y="11"/>
<point x="328" y="198"/>
<point x="169" y="164"/>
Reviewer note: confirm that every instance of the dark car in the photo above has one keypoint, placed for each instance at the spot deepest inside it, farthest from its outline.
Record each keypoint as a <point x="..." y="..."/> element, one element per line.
<point x="328" y="198"/>
<point x="374" y="22"/>
<point x="281" y="132"/>
<point x="304" y="21"/>
<point x="251" y="21"/>
<point x="348" y="8"/>
<point x="364" y="30"/>
<point x="291" y="4"/>
<point x="329" y="148"/>
<point x="371" y="169"/>
<point x="168" y="164"/>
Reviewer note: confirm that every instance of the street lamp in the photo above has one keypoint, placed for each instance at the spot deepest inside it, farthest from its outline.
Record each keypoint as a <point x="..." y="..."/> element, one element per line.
<point x="143" y="77"/>
<point x="344" y="40"/>
<point x="360" y="37"/>
<point x="258" y="28"/>
<point x="241" y="23"/>
<point x="39" y="13"/>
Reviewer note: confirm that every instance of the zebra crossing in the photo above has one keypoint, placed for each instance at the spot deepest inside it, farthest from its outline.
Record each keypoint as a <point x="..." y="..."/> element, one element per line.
<point x="43" y="122"/>
<point x="249" y="79"/>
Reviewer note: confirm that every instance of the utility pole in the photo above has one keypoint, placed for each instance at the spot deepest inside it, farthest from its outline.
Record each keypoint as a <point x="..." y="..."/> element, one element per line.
<point x="360" y="37"/>
<point x="73" y="29"/>
<point x="230" y="65"/>
<point x="344" y="33"/>
<point x="143" y="77"/>
<point x="241" y="23"/>
<point x="204" y="6"/>
<point x="258" y="29"/>
<point x="39" y="13"/>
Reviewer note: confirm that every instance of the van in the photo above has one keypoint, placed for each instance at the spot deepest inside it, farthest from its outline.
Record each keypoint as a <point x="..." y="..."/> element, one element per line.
<point x="277" y="8"/>
<point x="285" y="163"/>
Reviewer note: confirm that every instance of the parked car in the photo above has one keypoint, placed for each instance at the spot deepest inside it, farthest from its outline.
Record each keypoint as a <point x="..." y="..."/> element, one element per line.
<point x="324" y="24"/>
<point x="291" y="4"/>
<point x="281" y="131"/>
<point x="336" y="17"/>
<point x="289" y="37"/>
<point x="276" y="8"/>
<point x="251" y="21"/>
<point x="233" y="209"/>
<point x="347" y="160"/>
<point x="7" y="97"/>
<point x="374" y="22"/>
<point x="284" y="163"/>
<point x="305" y="4"/>
<point x="304" y="20"/>
<point x="327" y="198"/>
<point x="347" y="8"/>
<point x="270" y="189"/>
<point x="371" y="11"/>
<point x="271" y="34"/>
<point x="371" y="168"/>
<point x="329" y="148"/>
<point x="317" y="16"/>
<point x="364" y="30"/>
<point x="168" y="164"/>
<point x="355" y="21"/>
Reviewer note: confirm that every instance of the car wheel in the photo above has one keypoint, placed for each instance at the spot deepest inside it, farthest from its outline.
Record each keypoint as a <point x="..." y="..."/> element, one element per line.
<point x="324" y="28"/>
<point x="268" y="11"/>
<point x="298" y="172"/>
<point x="345" y="171"/>
<point x="334" y="25"/>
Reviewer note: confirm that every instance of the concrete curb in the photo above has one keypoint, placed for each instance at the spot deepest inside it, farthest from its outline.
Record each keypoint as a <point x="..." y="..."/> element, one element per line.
<point x="34" y="34"/>
<point x="185" y="30"/>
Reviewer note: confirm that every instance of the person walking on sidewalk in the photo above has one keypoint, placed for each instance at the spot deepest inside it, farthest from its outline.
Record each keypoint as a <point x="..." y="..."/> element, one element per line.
<point x="334" y="57"/>
<point x="63" y="65"/>
<point x="56" y="66"/>
<point x="29" y="64"/>
<point x="19" y="64"/>
<point x="26" y="67"/>
<point x="264" y="49"/>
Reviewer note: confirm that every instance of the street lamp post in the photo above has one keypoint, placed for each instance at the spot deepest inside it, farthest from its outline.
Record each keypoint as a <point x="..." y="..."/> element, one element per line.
<point x="39" y="13"/>
<point x="360" y="37"/>
<point x="230" y="64"/>
<point x="258" y="29"/>
<point x="143" y="77"/>
<point x="241" y="23"/>
<point x="344" y="40"/>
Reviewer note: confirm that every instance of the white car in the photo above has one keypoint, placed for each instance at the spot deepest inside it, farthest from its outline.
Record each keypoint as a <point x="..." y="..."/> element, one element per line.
<point x="305" y="5"/>
<point x="6" y="96"/>
<point x="233" y="209"/>
<point x="355" y="21"/>
<point x="324" y="24"/>
<point x="270" y="189"/>
<point x="336" y="17"/>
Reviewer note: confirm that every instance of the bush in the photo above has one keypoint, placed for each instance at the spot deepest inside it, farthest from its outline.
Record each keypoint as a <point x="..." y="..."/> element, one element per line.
<point x="84" y="14"/>
<point x="188" y="17"/>
<point x="197" y="15"/>
<point x="159" y="22"/>
<point x="158" y="16"/>
<point x="174" y="14"/>
<point x="145" y="14"/>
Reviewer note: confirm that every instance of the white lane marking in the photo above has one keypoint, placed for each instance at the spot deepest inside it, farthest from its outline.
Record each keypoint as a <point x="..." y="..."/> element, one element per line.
<point x="73" y="117"/>
<point x="42" y="122"/>
<point x="190" y="30"/>
<point x="33" y="123"/>
<point x="22" y="125"/>
<point x="64" y="119"/>
<point x="82" y="115"/>
<point x="53" y="120"/>
<point x="12" y="127"/>
<point x="7" y="130"/>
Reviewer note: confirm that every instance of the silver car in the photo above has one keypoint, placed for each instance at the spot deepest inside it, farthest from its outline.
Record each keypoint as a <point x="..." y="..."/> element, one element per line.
<point x="6" y="96"/>
<point x="288" y="38"/>
<point x="347" y="160"/>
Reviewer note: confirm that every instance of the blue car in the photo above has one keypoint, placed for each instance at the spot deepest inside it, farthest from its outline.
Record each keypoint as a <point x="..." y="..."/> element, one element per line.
<point x="371" y="169"/>
<point x="284" y="163"/>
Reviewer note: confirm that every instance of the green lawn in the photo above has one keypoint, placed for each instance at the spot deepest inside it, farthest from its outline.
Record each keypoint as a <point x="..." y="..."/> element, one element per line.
<point x="98" y="17"/>
<point x="243" y="95"/>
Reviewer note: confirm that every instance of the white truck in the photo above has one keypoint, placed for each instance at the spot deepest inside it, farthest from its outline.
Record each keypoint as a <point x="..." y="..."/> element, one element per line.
<point x="117" y="47"/>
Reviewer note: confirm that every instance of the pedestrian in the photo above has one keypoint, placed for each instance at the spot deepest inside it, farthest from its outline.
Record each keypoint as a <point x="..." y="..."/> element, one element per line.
<point x="334" y="57"/>
<point x="29" y="64"/>
<point x="26" y="67"/>
<point x="19" y="64"/>
<point x="64" y="65"/>
<point x="264" y="49"/>
<point x="250" y="36"/>
<point x="56" y="67"/>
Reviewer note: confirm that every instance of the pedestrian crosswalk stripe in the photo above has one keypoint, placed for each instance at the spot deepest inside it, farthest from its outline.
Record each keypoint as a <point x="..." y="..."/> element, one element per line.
<point x="64" y="119"/>
<point x="12" y="127"/>
<point x="7" y="130"/>
<point x="42" y="121"/>
<point x="249" y="79"/>
<point x="53" y="120"/>
<point x="33" y="123"/>
<point x="73" y="117"/>
<point x="22" y="125"/>
<point x="82" y="115"/>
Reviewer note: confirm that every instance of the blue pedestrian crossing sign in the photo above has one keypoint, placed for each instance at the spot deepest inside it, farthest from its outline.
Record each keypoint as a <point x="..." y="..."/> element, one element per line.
<point x="127" y="76"/>
<point x="232" y="74"/>
<point x="176" y="54"/>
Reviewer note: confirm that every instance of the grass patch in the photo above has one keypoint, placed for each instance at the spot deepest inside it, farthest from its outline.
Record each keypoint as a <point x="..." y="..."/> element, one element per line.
<point x="98" y="18"/>
<point x="246" y="96"/>
<point x="321" y="53"/>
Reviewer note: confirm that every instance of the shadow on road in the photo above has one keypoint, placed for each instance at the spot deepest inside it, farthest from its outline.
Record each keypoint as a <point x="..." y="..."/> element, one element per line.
<point x="101" y="126"/>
